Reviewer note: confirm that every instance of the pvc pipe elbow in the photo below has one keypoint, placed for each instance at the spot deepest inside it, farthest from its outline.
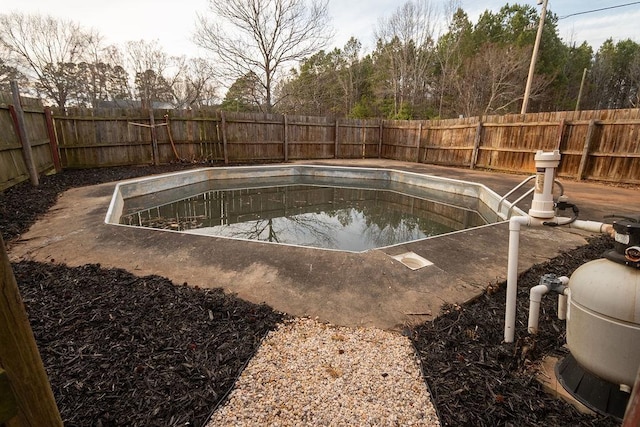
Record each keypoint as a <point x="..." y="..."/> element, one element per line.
<point x="535" y="294"/>
<point x="515" y="222"/>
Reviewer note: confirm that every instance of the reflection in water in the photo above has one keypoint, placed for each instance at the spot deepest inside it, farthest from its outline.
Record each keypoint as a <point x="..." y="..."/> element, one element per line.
<point x="350" y="219"/>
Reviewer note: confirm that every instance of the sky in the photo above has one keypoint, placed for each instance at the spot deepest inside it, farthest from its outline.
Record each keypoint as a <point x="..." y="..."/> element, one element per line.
<point x="172" y="23"/>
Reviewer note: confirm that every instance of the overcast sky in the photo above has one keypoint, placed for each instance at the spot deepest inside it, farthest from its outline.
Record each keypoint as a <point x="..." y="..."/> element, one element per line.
<point x="172" y="22"/>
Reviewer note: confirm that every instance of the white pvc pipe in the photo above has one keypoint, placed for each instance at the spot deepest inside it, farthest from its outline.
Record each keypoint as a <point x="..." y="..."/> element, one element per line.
<point x="592" y="226"/>
<point x="562" y="304"/>
<point x="515" y="224"/>
<point x="535" y="297"/>
<point x="512" y="275"/>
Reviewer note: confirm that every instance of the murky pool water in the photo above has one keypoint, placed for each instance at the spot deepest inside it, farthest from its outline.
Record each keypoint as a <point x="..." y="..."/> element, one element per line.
<point x="330" y="217"/>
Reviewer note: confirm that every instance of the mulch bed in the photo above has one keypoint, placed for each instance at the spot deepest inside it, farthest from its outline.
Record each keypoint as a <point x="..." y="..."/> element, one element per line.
<point x="137" y="351"/>
<point x="128" y="350"/>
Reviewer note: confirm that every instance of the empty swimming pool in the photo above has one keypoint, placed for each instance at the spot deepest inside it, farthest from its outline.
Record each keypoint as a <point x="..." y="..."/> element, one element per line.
<point x="328" y="207"/>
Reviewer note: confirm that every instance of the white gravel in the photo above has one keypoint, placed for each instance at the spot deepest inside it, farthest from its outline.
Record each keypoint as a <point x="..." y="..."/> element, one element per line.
<point x="310" y="373"/>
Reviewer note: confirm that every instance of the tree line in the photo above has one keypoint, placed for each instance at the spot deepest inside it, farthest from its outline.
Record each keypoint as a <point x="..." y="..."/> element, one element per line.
<point x="68" y="65"/>
<point x="271" y="55"/>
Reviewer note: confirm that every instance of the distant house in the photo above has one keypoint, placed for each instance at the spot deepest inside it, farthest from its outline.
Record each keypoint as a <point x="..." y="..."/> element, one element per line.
<point x="25" y="101"/>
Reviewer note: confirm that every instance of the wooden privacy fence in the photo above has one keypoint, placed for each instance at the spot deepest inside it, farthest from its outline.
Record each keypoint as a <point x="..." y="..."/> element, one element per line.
<point x="39" y="138"/>
<point x="91" y="138"/>
<point x="599" y="145"/>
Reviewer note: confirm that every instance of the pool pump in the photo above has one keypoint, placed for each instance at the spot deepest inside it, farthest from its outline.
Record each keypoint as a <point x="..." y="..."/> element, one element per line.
<point x="600" y="302"/>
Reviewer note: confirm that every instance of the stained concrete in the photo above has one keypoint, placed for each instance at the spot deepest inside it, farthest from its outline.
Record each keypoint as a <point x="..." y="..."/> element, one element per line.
<point x="352" y="289"/>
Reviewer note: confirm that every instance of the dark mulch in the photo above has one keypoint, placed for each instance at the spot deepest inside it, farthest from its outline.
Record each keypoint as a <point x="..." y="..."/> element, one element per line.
<point x="127" y="350"/>
<point x="137" y="351"/>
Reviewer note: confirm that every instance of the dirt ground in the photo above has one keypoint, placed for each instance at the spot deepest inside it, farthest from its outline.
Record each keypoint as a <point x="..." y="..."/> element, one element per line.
<point x="113" y="340"/>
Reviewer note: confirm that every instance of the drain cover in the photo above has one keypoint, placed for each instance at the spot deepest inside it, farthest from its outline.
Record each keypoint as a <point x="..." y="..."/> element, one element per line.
<point x="412" y="260"/>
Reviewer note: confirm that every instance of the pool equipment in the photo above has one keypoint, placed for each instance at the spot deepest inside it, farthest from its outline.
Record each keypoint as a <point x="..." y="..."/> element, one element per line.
<point x="542" y="213"/>
<point x="603" y="325"/>
<point x="600" y="302"/>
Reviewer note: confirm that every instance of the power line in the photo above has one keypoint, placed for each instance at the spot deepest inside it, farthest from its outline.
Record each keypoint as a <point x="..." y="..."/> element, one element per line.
<point x="598" y="10"/>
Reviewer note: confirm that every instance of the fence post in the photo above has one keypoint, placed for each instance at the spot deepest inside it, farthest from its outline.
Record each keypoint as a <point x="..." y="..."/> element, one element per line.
<point x="561" y="128"/>
<point x="335" y="155"/>
<point x="363" y="137"/>
<point x="418" y="142"/>
<point x="154" y="138"/>
<point x="476" y="144"/>
<point x="380" y="140"/>
<point x="53" y="140"/>
<point x="224" y="137"/>
<point x="286" y="140"/>
<point x="585" y="150"/>
<point x="21" y="130"/>
<point x="19" y="356"/>
<point x="424" y="156"/>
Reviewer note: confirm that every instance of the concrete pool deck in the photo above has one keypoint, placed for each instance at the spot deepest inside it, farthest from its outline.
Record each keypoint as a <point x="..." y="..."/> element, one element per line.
<point x="350" y="289"/>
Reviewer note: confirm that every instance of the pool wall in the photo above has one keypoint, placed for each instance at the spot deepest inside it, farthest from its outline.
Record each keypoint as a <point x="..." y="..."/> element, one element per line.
<point x="174" y="181"/>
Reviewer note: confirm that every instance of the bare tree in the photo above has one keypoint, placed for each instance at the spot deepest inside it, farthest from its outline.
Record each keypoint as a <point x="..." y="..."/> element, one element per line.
<point x="349" y="70"/>
<point x="155" y="72"/>
<point x="492" y="81"/>
<point x="101" y="77"/>
<point x="46" y="48"/>
<point x="261" y="36"/>
<point x="405" y="43"/>
<point x="197" y="87"/>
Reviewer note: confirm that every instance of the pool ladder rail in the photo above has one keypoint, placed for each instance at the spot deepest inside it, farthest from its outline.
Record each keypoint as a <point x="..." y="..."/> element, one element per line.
<point x="523" y="196"/>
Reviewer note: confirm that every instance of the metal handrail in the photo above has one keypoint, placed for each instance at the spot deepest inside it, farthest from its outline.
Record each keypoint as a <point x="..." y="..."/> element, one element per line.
<point x="513" y="190"/>
<point x="519" y="199"/>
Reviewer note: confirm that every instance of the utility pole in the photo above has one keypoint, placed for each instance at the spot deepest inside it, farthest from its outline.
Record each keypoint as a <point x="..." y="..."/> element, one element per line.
<point x="584" y="75"/>
<point x="534" y="57"/>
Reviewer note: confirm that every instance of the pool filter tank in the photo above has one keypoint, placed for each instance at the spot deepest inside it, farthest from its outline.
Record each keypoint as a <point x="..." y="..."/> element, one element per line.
<point x="603" y="325"/>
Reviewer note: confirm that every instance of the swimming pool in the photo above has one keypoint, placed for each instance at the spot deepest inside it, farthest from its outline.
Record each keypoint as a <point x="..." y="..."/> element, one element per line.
<point x="327" y="207"/>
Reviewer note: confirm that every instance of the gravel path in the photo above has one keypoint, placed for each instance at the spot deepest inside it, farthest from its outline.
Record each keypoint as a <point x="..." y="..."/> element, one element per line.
<point x="310" y="373"/>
